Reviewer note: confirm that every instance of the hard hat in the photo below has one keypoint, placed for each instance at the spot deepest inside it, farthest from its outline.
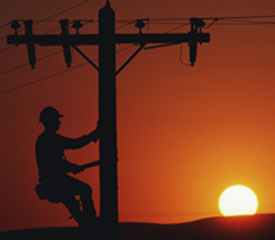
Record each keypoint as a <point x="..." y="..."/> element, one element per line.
<point x="49" y="113"/>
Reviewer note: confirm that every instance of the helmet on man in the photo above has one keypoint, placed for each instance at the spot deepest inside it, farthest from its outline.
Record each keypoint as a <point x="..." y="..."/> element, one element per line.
<point x="49" y="114"/>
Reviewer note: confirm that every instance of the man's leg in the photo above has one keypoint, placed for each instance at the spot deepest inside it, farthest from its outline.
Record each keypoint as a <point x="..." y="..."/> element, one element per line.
<point x="84" y="190"/>
<point x="73" y="206"/>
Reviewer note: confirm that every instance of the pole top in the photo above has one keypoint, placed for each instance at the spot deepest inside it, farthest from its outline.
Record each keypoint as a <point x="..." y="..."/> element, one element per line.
<point x="106" y="9"/>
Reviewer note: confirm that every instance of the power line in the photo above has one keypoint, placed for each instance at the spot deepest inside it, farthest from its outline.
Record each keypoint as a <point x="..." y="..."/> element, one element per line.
<point x="245" y="22"/>
<point x="238" y="19"/>
<point x="213" y="18"/>
<point x="26" y="64"/>
<point x="152" y="20"/>
<point x="7" y="48"/>
<point x="52" y="16"/>
<point x="42" y="79"/>
<point x="241" y="17"/>
<point x="165" y="20"/>
<point x="173" y="29"/>
<point x="125" y="25"/>
<point x="183" y="63"/>
<point x="66" y="10"/>
<point x="52" y="75"/>
<point x="156" y="19"/>
<point x="5" y="25"/>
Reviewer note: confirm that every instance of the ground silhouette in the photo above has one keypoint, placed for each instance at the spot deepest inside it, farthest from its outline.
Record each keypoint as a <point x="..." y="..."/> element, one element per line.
<point x="257" y="227"/>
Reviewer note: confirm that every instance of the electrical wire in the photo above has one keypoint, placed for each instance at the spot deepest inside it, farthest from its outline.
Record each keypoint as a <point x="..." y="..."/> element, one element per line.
<point x="66" y="10"/>
<point x="244" y="22"/>
<point x="213" y="18"/>
<point x="52" y="75"/>
<point x="52" y="16"/>
<point x="50" y="55"/>
<point x="42" y="79"/>
<point x="26" y="64"/>
<point x="7" y="48"/>
<point x="209" y="25"/>
<point x="166" y="23"/>
<point x="183" y="63"/>
<point x="238" y="20"/>
<point x="5" y="25"/>
<point x="167" y="20"/>
<point x="241" y="17"/>
<point x="173" y="29"/>
<point x="126" y="25"/>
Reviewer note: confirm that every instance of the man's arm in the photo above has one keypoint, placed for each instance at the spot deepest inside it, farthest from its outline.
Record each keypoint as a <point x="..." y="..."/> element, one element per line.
<point x="94" y="135"/>
<point x="75" y="169"/>
<point x="75" y="143"/>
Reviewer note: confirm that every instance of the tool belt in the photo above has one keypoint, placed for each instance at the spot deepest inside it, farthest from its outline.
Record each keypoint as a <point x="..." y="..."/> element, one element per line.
<point x="45" y="192"/>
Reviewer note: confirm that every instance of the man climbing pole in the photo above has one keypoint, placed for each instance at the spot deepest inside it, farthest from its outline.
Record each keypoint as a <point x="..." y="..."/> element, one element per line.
<point x="53" y="169"/>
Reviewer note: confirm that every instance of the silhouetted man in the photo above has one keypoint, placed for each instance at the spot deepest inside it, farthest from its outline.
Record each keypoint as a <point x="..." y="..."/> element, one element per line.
<point x="53" y="168"/>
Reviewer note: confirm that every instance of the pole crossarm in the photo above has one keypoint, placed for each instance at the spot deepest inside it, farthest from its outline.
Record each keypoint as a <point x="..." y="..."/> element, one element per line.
<point x="73" y="40"/>
<point x="161" y="38"/>
<point x="93" y="39"/>
<point x="54" y="40"/>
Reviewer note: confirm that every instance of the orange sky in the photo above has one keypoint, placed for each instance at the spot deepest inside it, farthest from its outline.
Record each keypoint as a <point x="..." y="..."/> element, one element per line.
<point x="184" y="134"/>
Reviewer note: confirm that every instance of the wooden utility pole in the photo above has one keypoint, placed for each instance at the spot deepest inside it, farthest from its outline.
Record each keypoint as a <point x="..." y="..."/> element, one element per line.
<point x="106" y="39"/>
<point x="107" y="117"/>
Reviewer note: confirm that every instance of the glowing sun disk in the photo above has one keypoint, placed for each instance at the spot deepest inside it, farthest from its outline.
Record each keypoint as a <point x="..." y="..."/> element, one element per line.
<point x="238" y="200"/>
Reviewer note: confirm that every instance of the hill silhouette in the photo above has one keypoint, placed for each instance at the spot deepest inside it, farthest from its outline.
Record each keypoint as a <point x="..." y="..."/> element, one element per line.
<point x="257" y="227"/>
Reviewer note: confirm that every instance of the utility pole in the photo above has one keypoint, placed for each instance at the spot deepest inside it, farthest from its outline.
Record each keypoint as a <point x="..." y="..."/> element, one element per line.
<point x="106" y="39"/>
<point x="107" y="118"/>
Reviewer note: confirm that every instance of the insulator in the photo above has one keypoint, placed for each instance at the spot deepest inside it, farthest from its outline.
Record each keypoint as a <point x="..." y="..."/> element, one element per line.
<point x="196" y="23"/>
<point x="140" y="24"/>
<point x="15" y="25"/>
<point x="64" y="25"/>
<point x="77" y="24"/>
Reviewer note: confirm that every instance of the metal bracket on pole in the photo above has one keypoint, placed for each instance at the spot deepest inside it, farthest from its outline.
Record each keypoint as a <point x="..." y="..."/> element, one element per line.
<point x="65" y="42"/>
<point x="83" y="55"/>
<point x="129" y="60"/>
<point x="196" y="25"/>
<point x="29" y="42"/>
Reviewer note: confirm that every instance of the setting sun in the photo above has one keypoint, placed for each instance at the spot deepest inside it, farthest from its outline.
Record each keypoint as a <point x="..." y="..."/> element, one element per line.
<point x="238" y="200"/>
